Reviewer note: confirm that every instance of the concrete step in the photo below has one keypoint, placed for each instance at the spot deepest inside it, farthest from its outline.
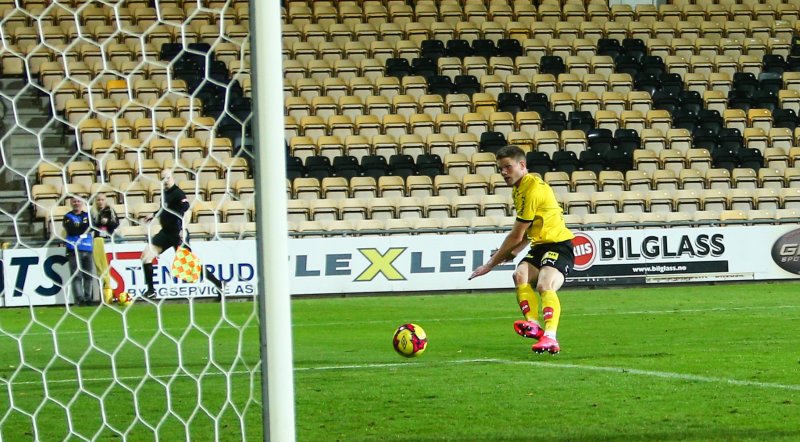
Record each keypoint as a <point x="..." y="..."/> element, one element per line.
<point x="14" y="205"/>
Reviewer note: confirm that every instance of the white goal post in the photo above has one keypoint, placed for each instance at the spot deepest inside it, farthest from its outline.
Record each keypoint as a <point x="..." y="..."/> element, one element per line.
<point x="275" y="309"/>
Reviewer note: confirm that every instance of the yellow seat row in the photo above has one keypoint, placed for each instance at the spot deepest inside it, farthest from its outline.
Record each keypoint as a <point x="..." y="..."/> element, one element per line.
<point x="684" y="200"/>
<point x="418" y="186"/>
<point x="405" y="226"/>
<point x="693" y="218"/>
<point x="547" y="11"/>
<point x="120" y="172"/>
<point x="403" y="207"/>
<point x="671" y="179"/>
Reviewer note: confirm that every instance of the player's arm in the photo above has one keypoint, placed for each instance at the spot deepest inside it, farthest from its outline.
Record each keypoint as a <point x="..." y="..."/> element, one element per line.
<point x="113" y="221"/>
<point x="510" y="244"/>
<point x="519" y="248"/>
<point x="515" y="251"/>
<point x="186" y="215"/>
<point x="187" y="218"/>
<point x="70" y="226"/>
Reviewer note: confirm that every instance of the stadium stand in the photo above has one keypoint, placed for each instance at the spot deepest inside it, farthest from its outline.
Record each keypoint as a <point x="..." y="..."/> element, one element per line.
<point x="679" y="97"/>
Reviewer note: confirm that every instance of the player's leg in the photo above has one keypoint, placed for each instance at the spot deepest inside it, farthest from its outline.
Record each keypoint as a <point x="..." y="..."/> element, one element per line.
<point x="207" y="275"/>
<point x="150" y="253"/>
<point x="101" y="265"/>
<point x="550" y="281"/>
<point x="75" y="285"/>
<point x="554" y="266"/>
<point x="527" y="300"/>
<point x="214" y="280"/>
<point x="87" y="276"/>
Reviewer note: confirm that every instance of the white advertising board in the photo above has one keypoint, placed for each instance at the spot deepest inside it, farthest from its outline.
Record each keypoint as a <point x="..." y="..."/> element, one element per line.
<point x="425" y="263"/>
<point x="40" y="276"/>
<point x="432" y="262"/>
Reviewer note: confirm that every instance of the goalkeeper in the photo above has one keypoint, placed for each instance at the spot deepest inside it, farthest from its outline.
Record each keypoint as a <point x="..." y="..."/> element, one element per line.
<point x="174" y="207"/>
<point x="105" y="221"/>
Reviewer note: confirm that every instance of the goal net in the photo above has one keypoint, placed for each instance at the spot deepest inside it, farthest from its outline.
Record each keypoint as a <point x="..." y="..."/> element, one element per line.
<point x="97" y="98"/>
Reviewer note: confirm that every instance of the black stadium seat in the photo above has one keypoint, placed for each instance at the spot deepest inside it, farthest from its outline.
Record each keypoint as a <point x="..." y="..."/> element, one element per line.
<point x="459" y="48"/>
<point x="510" y="102"/>
<point x="346" y="166"/>
<point x="430" y="165"/>
<point x="398" y="67"/>
<point x="600" y="140"/>
<point x="538" y="162"/>
<point x="565" y="161"/>
<point x="374" y="166"/>
<point x="402" y="165"/>
<point x="750" y="157"/>
<point x="294" y="168"/>
<point x="484" y="48"/>
<point x="440" y="85"/>
<point x="492" y="141"/>
<point x="318" y="167"/>
<point x="592" y="160"/>
<point x="433" y="49"/>
<point x="467" y="84"/>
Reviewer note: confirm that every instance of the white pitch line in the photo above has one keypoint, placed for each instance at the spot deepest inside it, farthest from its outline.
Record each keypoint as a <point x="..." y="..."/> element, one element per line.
<point x="657" y="374"/>
<point x="470" y="319"/>
<point x="608" y="313"/>
<point x="556" y="365"/>
<point x="617" y="370"/>
<point x="690" y="310"/>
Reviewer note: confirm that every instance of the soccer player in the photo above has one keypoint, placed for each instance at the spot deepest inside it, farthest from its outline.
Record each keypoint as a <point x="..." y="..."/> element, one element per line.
<point x="105" y="221"/>
<point x="539" y="217"/>
<point x="174" y="207"/>
<point x="79" y="252"/>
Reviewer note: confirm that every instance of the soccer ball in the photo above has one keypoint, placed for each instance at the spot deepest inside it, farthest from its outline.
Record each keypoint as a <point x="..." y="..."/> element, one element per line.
<point x="410" y="340"/>
<point x="124" y="299"/>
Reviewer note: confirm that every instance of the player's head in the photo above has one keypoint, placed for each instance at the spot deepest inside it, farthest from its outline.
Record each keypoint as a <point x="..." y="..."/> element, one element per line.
<point x="167" y="179"/>
<point x="511" y="162"/>
<point x="77" y="203"/>
<point x="100" y="200"/>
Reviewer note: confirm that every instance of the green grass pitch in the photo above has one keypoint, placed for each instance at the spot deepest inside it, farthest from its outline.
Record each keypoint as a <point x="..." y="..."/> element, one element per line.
<point x="654" y="363"/>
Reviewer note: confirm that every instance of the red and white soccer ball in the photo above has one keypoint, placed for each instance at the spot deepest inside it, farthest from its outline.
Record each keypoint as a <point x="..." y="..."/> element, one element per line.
<point x="124" y="299"/>
<point x="410" y="340"/>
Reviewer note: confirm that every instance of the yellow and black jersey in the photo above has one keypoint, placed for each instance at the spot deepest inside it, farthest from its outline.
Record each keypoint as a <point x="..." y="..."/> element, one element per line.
<point x="536" y="203"/>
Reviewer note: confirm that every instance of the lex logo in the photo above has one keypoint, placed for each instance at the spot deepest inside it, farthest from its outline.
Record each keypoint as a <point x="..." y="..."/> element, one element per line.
<point x="379" y="263"/>
<point x="393" y="264"/>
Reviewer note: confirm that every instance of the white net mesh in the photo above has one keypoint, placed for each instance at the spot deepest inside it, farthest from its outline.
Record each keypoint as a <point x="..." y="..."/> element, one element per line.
<point x="98" y="97"/>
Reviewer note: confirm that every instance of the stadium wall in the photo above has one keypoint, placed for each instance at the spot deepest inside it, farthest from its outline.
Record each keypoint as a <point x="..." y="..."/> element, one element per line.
<point x="340" y="265"/>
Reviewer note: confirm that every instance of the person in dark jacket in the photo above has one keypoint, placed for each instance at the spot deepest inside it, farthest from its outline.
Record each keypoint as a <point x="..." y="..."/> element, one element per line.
<point x="79" y="252"/>
<point x="104" y="221"/>
<point x="174" y="207"/>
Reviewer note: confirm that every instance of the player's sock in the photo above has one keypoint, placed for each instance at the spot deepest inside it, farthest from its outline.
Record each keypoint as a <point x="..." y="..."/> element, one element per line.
<point x="148" y="276"/>
<point x="212" y="279"/>
<point x="528" y="303"/>
<point x="551" y="311"/>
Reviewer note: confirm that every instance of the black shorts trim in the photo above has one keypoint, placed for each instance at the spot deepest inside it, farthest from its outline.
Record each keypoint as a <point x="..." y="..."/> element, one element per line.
<point x="558" y="255"/>
<point x="166" y="240"/>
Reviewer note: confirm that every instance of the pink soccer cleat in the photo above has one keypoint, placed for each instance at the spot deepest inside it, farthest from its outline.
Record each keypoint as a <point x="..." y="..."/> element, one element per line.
<point x="528" y="329"/>
<point x="546" y="344"/>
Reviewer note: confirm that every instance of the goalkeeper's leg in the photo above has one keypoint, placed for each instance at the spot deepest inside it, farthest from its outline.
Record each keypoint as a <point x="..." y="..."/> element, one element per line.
<point x="207" y="275"/>
<point x="214" y="280"/>
<point x="101" y="267"/>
